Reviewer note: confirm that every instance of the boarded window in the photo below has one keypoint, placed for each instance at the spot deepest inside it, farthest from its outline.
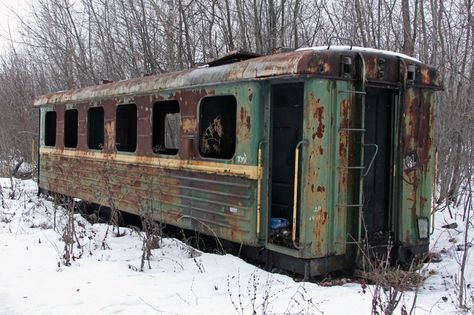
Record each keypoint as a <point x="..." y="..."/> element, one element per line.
<point x="50" y="129"/>
<point x="70" y="128"/>
<point x="95" y="128"/>
<point x="126" y="128"/>
<point x="217" y="119"/>
<point x="166" y="127"/>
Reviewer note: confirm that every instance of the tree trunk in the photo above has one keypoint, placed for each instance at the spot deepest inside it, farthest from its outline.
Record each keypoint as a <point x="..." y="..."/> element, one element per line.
<point x="407" y="37"/>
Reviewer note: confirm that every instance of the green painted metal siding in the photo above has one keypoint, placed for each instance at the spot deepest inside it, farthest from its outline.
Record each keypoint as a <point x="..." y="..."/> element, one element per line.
<point x="325" y="189"/>
<point x="217" y="204"/>
<point x="416" y="182"/>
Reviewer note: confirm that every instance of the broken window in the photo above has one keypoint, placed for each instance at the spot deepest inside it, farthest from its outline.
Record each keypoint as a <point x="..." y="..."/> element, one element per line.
<point x="166" y="127"/>
<point x="217" y="126"/>
<point x="70" y="128"/>
<point x="95" y="128"/>
<point x="126" y="128"/>
<point x="50" y="129"/>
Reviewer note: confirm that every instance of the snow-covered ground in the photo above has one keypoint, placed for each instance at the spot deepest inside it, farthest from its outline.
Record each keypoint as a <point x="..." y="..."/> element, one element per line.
<point x="34" y="280"/>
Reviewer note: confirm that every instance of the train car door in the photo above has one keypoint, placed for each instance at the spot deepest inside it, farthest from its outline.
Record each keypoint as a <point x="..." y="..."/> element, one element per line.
<point x="286" y="107"/>
<point x="378" y="210"/>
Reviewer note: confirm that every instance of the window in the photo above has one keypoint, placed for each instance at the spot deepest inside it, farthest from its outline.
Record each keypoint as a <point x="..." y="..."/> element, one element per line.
<point x="50" y="129"/>
<point x="70" y="128"/>
<point x="95" y="128"/>
<point x="126" y="128"/>
<point x="166" y="127"/>
<point x="217" y="119"/>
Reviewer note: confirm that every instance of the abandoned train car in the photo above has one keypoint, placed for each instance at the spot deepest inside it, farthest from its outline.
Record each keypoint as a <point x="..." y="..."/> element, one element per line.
<point x="302" y="155"/>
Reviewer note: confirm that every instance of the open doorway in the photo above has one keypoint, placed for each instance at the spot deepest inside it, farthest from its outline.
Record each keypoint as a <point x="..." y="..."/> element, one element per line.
<point x="287" y="128"/>
<point x="378" y="139"/>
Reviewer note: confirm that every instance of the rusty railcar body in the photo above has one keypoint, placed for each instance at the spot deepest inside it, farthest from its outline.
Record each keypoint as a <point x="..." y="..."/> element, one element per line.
<point x="336" y="143"/>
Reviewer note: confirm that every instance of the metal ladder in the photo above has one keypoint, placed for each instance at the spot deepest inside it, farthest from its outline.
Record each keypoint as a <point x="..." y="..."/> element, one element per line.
<point x="361" y="168"/>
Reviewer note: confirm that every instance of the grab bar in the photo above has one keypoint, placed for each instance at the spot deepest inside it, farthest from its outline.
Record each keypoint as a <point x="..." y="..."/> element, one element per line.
<point x="295" y="192"/>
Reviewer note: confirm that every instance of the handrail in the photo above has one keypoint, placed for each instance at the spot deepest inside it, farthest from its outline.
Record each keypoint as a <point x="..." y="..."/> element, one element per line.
<point x="259" y="186"/>
<point x="435" y="182"/>
<point x="373" y="157"/>
<point x="338" y="37"/>
<point x="361" y="181"/>
<point x="295" y="193"/>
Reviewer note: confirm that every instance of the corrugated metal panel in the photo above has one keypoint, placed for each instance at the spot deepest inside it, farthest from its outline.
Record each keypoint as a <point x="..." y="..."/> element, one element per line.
<point x="223" y="204"/>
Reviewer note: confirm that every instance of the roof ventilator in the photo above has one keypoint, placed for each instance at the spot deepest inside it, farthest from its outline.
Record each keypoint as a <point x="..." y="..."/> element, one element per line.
<point x="232" y="57"/>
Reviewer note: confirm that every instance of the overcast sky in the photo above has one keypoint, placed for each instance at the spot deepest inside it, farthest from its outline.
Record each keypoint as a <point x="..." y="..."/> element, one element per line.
<point x="9" y="19"/>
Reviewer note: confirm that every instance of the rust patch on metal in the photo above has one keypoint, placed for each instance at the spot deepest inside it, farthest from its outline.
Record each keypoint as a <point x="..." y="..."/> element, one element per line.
<point x="418" y="123"/>
<point x="344" y="136"/>
<point x="423" y="202"/>
<point x="323" y="62"/>
<point x="428" y="76"/>
<point x="144" y="125"/>
<point x="109" y="125"/>
<point x="244" y="125"/>
<point x="82" y="126"/>
<point x="318" y="115"/>
<point x="188" y="125"/>
<point x="319" y="229"/>
<point x="60" y="126"/>
<point x="188" y="99"/>
<point x="109" y="130"/>
<point x="323" y="217"/>
<point x="424" y="139"/>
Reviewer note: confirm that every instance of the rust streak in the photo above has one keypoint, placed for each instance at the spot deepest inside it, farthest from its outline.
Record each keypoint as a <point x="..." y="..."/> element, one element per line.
<point x="189" y="125"/>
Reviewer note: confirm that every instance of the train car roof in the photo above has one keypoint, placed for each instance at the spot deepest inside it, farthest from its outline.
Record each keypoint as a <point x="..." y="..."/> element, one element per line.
<point x="324" y="61"/>
<point x="362" y="50"/>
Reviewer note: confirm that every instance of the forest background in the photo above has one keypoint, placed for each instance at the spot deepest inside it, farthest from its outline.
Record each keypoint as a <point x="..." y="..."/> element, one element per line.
<point x="66" y="44"/>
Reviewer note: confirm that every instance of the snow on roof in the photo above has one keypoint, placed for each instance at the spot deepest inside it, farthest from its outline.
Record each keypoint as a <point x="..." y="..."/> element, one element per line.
<point x="360" y="49"/>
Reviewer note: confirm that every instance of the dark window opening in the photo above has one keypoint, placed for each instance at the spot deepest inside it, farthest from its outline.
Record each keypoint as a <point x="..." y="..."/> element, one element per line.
<point x="126" y="128"/>
<point x="346" y="66"/>
<point x="50" y="129"/>
<point x="95" y="128"/>
<point x="217" y="126"/>
<point x="70" y="128"/>
<point x="166" y="127"/>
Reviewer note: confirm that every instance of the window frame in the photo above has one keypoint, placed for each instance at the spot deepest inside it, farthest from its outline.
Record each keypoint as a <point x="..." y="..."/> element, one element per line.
<point x="198" y="114"/>
<point x="89" y="125"/>
<point x="45" y="129"/>
<point x="117" y="144"/>
<point x="66" y="131"/>
<point x="163" y="127"/>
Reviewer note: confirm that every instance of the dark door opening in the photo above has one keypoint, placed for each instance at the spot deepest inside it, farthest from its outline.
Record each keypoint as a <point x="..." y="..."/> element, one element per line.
<point x="287" y="129"/>
<point x="379" y="105"/>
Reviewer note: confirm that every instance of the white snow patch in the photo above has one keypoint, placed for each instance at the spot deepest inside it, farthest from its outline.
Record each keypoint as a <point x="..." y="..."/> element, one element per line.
<point x="105" y="281"/>
<point x="360" y="49"/>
